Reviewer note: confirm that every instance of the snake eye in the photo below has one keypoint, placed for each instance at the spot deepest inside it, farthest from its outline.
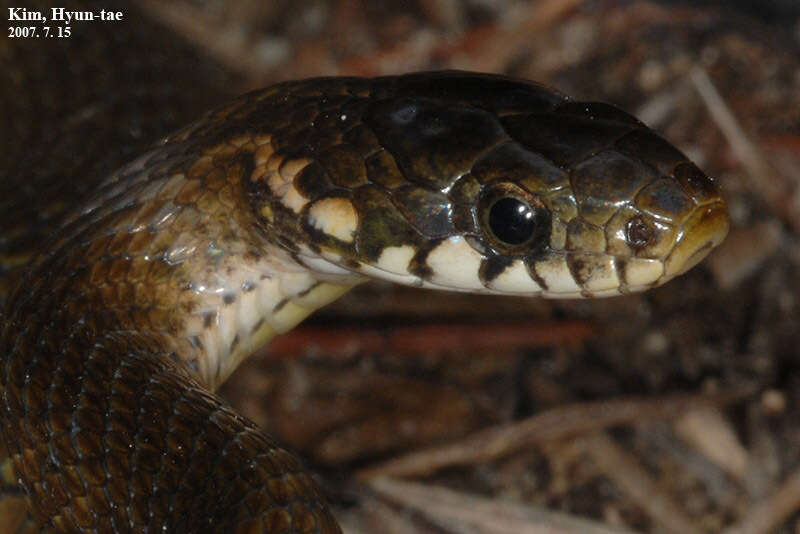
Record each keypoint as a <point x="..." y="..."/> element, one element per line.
<point x="514" y="221"/>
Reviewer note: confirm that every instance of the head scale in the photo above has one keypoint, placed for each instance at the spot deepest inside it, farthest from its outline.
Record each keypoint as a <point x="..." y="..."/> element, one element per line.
<point x="484" y="183"/>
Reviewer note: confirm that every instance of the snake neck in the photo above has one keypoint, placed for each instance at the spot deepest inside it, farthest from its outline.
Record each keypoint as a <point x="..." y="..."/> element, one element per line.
<point x="249" y="307"/>
<point x="168" y="250"/>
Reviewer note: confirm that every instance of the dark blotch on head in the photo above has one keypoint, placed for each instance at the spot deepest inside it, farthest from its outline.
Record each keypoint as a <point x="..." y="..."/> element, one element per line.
<point x="492" y="267"/>
<point x="381" y="224"/>
<point x="313" y="181"/>
<point x="418" y="266"/>
<point x="530" y="266"/>
<point x="581" y="270"/>
<point x="344" y="165"/>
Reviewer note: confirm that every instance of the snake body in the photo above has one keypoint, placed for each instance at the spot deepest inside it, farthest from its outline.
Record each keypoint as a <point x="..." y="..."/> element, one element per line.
<point x="173" y="268"/>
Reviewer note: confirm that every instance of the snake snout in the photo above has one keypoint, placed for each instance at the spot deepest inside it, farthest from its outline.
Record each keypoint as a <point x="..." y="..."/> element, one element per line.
<point x="703" y="227"/>
<point x="703" y="230"/>
<point x="681" y="217"/>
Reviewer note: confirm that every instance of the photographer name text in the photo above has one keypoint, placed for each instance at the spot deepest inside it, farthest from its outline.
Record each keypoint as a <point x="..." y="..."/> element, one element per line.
<point x="60" y="14"/>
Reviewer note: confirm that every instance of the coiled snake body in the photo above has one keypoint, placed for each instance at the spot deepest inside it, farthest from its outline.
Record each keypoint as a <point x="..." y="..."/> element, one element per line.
<point x="181" y="263"/>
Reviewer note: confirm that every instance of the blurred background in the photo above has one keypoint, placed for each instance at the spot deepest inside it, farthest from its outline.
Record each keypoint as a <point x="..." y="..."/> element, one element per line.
<point x="677" y="411"/>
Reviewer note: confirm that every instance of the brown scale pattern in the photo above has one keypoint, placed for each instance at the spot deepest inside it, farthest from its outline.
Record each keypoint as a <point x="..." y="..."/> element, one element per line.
<point x="108" y="434"/>
<point x="106" y="430"/>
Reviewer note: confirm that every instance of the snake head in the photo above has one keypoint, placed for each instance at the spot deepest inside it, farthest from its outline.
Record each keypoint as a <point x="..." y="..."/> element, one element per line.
<point x="488" y="184"/>
<point x="593" y="204"/>
<point x="610" y="224"/>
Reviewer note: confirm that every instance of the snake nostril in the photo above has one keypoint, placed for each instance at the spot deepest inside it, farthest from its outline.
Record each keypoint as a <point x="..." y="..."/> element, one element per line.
<point x="638" y="233"/>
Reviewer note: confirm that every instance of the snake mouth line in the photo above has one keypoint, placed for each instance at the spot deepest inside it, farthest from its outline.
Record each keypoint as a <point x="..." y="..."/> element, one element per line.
<point x="704" y="229"/>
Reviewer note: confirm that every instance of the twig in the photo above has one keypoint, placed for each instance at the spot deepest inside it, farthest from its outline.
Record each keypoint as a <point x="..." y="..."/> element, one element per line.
<point x="745" y="150"/>
<point x="708" y="431"/>
<point x="463" y="513"/>
<point x="760" y="172"/>
<point x="633" y="479"/>
<point x="557" y="423"/>
<point x="769" y="514"/>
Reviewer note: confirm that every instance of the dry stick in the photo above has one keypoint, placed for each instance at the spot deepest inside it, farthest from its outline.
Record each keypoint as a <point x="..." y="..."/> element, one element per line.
<point x="745" y="150"/>
<point x="769" y="514"/>
<point x="627" y="473"/>
<point x="760" y="172"/>
<point x="558" y="423"/>
<point x="713" y="436"/>
<point x="460" y="512"/>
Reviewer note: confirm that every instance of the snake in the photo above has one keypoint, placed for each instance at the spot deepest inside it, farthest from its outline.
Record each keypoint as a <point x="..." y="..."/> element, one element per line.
<point x="149" y="283"/>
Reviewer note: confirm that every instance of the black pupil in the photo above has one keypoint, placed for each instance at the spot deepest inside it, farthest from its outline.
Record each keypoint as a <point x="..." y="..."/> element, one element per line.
<point x="512" y="221"/>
